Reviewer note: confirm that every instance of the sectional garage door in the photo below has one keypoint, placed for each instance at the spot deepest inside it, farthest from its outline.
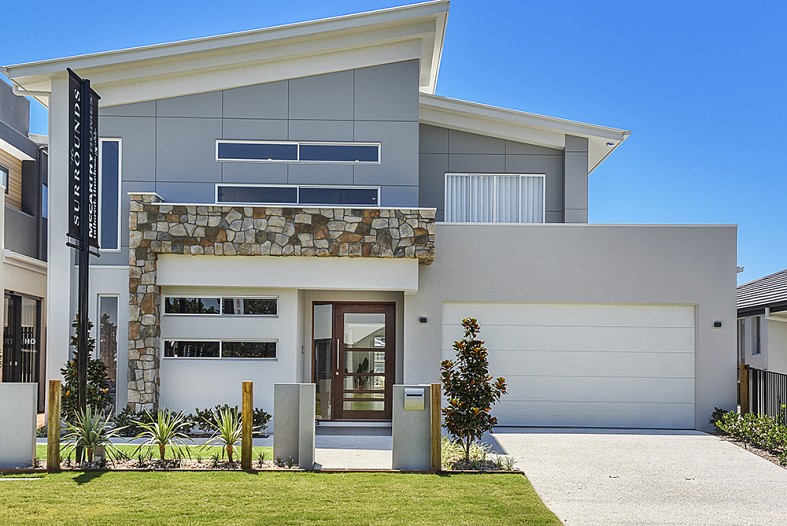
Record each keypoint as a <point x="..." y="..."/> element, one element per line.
<point x="586" y="365"/>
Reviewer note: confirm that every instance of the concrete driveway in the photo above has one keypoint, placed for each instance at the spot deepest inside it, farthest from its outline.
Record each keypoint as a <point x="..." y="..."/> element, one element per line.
<point x="613" y="477"/>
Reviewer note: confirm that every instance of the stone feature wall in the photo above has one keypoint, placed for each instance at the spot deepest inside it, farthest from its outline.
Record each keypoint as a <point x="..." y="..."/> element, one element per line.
<point x="162" y="228"/>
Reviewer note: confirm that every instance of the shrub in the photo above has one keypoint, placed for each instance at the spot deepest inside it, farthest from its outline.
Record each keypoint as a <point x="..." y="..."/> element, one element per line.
<point x="98" y="398"/>
<point x="128" y="420"/>
<point x="470" y="389"/>
<point x="207" y="417"/>
<point x="227" y="430"/>
<point x="90" y="430"/>
<point x="166" y="429"/>
<point x="761" y="431"/>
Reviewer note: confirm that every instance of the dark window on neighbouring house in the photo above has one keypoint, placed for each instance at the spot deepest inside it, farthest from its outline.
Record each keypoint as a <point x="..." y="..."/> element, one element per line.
<point x="192" y="306"/>
<point x="321" y="195"/>
<point x="249" y="306"/>
<point x="191" y="349"/>
<point x="741" y="340"/>
<point x="349" y="153"/>
<point x="756" y="335"/>
<point x="44" y="201"/>
<point x="110" y="192"/>
<point x="253" y="151"/>
<point x="257" y="194"/>
<point x="4" y="177"/>
<point x="248" y="349"/>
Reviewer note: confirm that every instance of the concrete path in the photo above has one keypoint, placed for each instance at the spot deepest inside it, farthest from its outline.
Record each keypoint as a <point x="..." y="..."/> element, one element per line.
<point x="353" y="452"/>
<point x="622" y="477"/>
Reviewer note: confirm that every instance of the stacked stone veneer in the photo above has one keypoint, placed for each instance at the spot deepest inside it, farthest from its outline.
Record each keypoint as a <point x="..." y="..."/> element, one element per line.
<point x="163" y="228"/>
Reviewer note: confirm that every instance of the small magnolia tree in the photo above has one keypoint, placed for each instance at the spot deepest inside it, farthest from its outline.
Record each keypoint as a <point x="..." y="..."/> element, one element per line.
<point x="470" y="389"/>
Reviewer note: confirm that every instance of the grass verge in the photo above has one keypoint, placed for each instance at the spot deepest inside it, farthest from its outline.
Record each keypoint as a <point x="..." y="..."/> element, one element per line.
<point x="197" y="498"/>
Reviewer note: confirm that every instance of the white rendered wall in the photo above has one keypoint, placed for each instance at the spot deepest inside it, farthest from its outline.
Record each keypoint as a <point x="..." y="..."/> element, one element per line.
<point x="18" y="403"/>
<point x="777" y="344"/>
<point x="189" y="383"/>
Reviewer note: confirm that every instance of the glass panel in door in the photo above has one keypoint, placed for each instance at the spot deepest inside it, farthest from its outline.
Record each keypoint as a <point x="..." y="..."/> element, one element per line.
<point x="365" y="361"/>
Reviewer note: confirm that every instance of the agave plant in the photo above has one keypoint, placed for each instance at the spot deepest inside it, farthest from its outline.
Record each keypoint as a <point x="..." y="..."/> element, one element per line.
<point x="167" y="428"/>
<point x="227" y="430"/>
<point x="91" y="429"/>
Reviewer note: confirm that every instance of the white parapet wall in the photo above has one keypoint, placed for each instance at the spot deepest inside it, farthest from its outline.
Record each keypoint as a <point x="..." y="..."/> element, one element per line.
<point x="18" y="403"/>
<point x="412" y="428"/>
<point x="294" y="423"/>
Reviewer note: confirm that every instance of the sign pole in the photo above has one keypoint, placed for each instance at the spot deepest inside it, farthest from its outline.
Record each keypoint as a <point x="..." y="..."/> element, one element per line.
<point x="84" y="252"/>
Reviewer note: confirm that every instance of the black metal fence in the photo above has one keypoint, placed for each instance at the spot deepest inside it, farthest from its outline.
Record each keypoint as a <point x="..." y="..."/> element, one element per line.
<point x="768" y="392"/>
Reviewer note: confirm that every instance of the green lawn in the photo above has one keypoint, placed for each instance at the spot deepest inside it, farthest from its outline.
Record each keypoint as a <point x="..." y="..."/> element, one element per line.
<point x="217" y="497"/>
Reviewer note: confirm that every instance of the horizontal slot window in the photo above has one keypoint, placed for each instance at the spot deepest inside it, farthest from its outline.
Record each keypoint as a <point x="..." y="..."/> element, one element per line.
<point x="348" y="153"/>
<point x="219" y="349"/>
<point x="306" y="195"/>
<point x="222" y="306"/>
<point x="248" y="349"/>
<point x="249" y="306"/>
<point x="295" y="152"/>
<point x="317" y="195"/>
<point x="192" y="349"/>
<point x="258" y="194"/>
<point x="256" y="151"/>
<point x="192" y="306"/>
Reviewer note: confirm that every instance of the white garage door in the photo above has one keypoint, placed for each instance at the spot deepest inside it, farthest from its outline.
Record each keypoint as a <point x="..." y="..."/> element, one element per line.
<point x="586" y="365"/>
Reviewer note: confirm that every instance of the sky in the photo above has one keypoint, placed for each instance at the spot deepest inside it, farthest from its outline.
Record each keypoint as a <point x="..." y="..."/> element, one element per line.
<point x="700" y="84"/>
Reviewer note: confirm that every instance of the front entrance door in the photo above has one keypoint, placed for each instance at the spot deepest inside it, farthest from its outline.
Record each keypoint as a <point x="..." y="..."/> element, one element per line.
<point x="354" y="370"/>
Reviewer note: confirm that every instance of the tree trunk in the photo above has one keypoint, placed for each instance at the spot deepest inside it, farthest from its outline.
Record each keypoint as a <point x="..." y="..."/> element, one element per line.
<point x="90" y="454"/>
<point x="229" y="452"/>
<point x="467" y="448"/>
<point x="162" y="450"/>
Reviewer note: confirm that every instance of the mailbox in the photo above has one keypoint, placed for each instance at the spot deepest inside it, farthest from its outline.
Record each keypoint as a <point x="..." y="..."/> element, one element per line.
<point x="414" y="399"/>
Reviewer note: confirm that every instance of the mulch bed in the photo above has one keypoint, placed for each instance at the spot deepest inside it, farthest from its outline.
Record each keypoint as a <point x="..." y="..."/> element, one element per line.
<point x="767" y="455"/>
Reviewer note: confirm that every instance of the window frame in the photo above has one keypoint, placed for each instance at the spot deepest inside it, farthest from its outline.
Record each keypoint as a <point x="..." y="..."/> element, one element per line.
<point x="297" y="187"/>
<point x="221" y="348"/>
<point x="5" y="178"/>
<point x="297" y="151"/>
<point x="756" y="335"/>
<point x="220" y="314"/>
<point x="495" y="177"/>
<point x="101" y="141"/>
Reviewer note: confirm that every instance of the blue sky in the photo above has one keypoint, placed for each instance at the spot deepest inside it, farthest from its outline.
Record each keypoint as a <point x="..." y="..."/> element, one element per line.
<point x="699" y="84"/>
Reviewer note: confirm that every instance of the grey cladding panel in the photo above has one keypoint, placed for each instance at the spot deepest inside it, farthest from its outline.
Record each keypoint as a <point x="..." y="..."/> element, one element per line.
<point x="199" y="105"/>
<point x="432" y="139"/>
<point x="388" y="92"/>
<point x="399" y="161"/>
<point x="187" y="192"/>
<point x="255" y="129"/>
<point x="138" y="136"/>
<point x="263" y="101"/>
<point x="462" y="142"/>
<point x="320" y="174"/>
<point x="519" y="148"/>
<point x="139" y="109"/>
<point x="398" y="196"/>
<point x="185" y="150"/>
<point x="327" y="96"/>
<point x="549" y="165"/>
<point x="431" y="175"/>
<point x="270" y="173"/>
<point x="576" y="180"/>
<point x="309" y="130"/>
<point x="460" y="162"/>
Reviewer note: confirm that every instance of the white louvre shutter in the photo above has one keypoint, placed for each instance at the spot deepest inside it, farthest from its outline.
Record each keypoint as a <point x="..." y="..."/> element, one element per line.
<point x="457" y="200"/>
<point x="482" y="198"/>
<point x="507" y="199"/>
<point x="532" y="199"/>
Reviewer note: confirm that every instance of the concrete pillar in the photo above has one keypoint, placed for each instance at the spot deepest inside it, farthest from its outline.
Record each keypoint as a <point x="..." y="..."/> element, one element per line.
<point x="294" y="423"/>
<point x="412" y="429"/>
<point x="18" y="409"/>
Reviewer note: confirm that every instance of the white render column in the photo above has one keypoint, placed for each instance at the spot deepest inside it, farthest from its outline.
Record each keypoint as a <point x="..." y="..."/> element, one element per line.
<point x="59" y="279"/>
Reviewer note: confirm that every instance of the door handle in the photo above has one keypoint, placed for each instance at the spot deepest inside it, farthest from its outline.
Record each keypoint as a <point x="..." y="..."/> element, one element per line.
<point x="337" y="356"/>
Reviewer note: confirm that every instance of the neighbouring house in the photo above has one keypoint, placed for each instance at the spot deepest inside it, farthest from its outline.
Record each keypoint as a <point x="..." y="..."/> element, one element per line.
<point x="295" y="204"/>
<point x="23" y="242"/>
<point x="762" y="323"/>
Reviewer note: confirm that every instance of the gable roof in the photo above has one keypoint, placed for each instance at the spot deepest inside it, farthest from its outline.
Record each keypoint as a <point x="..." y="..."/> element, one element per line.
<point x="254" y="57"/>
<point x="768" y="291"/>
<point x="519" y="126"/>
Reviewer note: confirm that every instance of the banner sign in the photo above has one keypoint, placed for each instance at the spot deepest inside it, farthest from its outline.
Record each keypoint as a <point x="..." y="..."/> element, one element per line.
<point x="83" y="161"/>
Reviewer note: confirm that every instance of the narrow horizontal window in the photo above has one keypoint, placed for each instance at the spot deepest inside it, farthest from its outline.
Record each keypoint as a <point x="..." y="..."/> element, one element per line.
<point x="256" y="151"/>
<point x="258" y="194"/>
<point x="322" y="195"/>
<point x="219" y="349"/>
<point x="248" y="349"/>
<point x="294" y="152"/>
<point x="349" y="153"/>
<point x="249" y="306"/>
<point x="192" y="349"/>
<point x="192" y="306"/>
